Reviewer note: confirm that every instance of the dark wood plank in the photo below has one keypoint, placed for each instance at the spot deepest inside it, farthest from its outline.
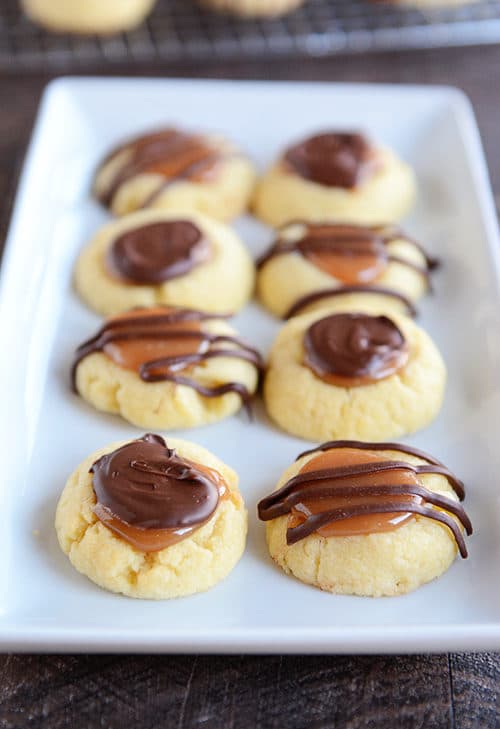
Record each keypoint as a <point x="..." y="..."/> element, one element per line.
<point x="251" y="692"/>
<point x="225" y="692"/>
<point x="475" y="690"/>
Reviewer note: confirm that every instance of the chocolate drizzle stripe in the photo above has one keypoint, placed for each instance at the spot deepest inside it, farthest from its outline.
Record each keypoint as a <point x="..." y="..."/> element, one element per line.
<point x="367" y="446"/>
<point x="206" y="391"/>
<point x="282" y="507"/>
<point x="317" y="521"/>
<point x="190" y="171"/>
<point x="439" y="468"/>
<point x="363" y="469"/>
<point x="314" y="296"/>
<point x="189" y="359"/>
<point x="422" y="270"/>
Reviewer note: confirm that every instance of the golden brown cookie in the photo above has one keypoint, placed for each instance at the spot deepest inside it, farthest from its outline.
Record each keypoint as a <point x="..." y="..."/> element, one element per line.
<point x="175" y="170"/>
<point x="88" y="16"/>
<point x="365" y="518"/>
<point x="336" y="176"/>
<point x="163" y="368"/>
<point x="159" y="257"/>
<point x="311" y="263"/>
<point x="253" y="8"/>
<point x="353" y="373"/>
<point x="151" y="519"/>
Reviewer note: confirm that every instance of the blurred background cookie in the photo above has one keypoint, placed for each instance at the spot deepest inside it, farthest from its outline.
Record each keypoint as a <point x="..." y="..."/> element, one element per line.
<point x="180" y="537"/>
<point x="88" y="16"/>
<point x="339" y="176"/>
<point x="167" y="368"/>
<point x="253" y="8"/>
<point x="366" y="518"/>
<point x="159" y="257"/>
<point x="172" y="169"/>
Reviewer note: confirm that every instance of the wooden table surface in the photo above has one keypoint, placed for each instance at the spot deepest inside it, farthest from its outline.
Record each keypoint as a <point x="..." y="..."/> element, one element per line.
<point x="259" y="692"/>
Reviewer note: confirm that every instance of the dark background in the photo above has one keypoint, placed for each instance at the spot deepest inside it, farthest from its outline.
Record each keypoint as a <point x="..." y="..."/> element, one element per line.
<point x="258" y="692"/>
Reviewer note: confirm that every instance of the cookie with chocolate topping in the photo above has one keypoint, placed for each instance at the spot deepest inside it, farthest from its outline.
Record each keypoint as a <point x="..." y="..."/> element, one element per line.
<point x="152" y="519"/>
<point x="171" y="169"/>
<point x="370" y="519"/>
<point x="336" y="175"/>
<point x="310" y="264"/>
<point x="167" y="368"/>
<point x="338" y="373"/>
<point x="154" y="257"/>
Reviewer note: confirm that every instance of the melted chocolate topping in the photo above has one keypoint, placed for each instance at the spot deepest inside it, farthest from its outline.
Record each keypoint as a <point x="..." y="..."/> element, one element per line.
<point x="355" y="346"/>
<point x="315" y="296"/>
<point x="172" y="327"/>
<point x="358" y="490"/>
<point x="334" y="159"/>
<point x="146" y="484"/>
<point x="353" y="254"/>
<point x="170" y="153"/>
<point x="158" y="252"/>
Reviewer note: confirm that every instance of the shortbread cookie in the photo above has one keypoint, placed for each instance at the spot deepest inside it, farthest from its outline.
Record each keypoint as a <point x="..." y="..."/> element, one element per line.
<point x="167" y="368"/>
<point x="88" y="16"/>
<point x="336" y="176"/>
<point x="175" y="170"/>
<point x="158" y="257"/>
<point x="344" y="373"/>
<point x="253" y="8"/>
<point x="366" y="518"/>
<point x="152" y="519"/>
<point x="309" y="263"/>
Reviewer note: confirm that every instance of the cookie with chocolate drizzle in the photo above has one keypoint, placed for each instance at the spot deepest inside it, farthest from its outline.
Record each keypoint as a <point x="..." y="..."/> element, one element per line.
<point x="167" y="368"/>
<point x="309" y="264"/>
<point x="366" y="518"/>
<point x="339" y="373"/>
<point x="174" y="169"/>
<point x="152" y="518"/>
<point x="335" y="175"/>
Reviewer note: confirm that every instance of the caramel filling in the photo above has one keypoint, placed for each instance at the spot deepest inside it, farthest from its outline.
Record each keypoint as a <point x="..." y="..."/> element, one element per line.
<point x="154" y="540"/>
<point x="350" y="269"/>
<point x="351" y="254"/>
<point x="161" y="342"/>
<point x="187" y="153"/>
<point x="354" y="525"/>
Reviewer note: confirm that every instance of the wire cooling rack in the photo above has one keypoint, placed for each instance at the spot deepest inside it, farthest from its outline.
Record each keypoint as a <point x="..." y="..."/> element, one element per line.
<point x="180" y="30"/>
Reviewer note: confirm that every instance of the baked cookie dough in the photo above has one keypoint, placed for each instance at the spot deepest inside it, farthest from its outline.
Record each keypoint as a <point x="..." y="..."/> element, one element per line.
<point x="367" y="519"/>
<point x="351" y="373"/>
<point x="180" y="537"/>
<point x="336" y="176"/>
<point x="157" y="257"/>
<point x="165" y="369"/>
<point x="175" y="170"/>
<point x="253" y="8"/>
<point x="310" y="263"/>
<point x="88" y="16"/>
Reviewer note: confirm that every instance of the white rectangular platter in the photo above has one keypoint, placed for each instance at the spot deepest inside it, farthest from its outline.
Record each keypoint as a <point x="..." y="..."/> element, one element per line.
<point x="46" y="430"/>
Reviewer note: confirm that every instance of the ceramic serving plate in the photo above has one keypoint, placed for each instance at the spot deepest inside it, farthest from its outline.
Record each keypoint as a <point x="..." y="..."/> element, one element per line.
<point x="46" y="430"/>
